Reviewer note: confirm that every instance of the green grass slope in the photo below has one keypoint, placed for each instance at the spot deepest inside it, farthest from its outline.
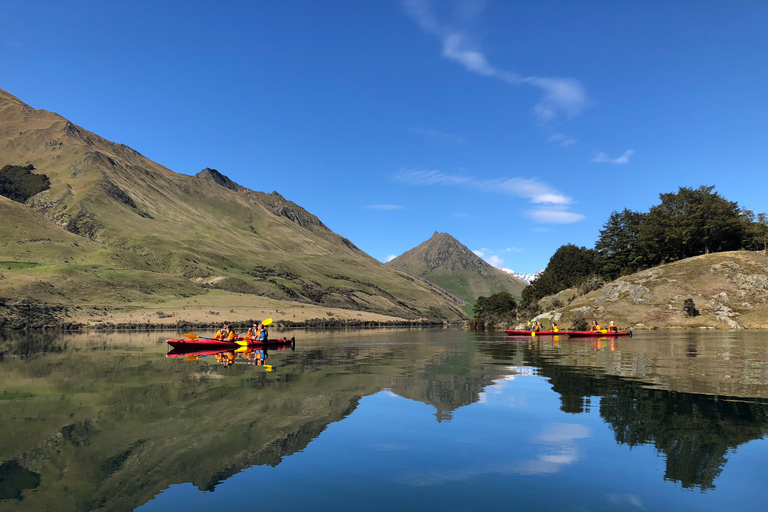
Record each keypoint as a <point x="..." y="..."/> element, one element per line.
<point x="444" y="261"/>
<point x="729" y="291"/>
<point x="117" y="229"/>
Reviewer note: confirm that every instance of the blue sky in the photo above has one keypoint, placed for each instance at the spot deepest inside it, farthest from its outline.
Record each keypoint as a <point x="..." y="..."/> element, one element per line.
<point x="514" y="126"/>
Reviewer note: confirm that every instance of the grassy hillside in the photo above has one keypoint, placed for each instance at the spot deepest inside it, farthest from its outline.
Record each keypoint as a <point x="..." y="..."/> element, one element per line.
<point x="444" y="261"/>
<point x="116" y="230"/>
<point x="729" y="291"/>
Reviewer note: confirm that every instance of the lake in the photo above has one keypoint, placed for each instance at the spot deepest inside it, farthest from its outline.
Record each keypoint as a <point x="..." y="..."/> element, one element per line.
<point x="386" y="419"/>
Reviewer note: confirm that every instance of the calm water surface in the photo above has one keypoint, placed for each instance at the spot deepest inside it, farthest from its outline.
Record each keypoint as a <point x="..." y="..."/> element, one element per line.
<point x="386" y="420"/>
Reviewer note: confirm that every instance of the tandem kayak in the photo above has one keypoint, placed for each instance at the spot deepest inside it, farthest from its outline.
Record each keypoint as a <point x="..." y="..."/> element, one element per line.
<point x="241" y="349"/>
<point x="597" y="334"/>
<point x="211" y="344"/>
<point x="529" y="333"/>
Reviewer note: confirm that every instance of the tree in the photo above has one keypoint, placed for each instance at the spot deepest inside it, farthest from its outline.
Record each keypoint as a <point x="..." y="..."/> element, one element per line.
<point x="499" y="303"/>
<point x="569" y="266"/>
<point x="691" y="222"/>
<point x="620" y="246"/>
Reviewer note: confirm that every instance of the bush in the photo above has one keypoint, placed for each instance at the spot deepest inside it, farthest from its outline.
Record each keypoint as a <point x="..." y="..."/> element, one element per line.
<point x="579" y="323"/>
<point x="19" y="184"/>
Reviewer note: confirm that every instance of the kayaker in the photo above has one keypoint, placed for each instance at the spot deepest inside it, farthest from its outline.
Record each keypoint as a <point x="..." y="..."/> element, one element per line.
<point x="253" y="332"/>
<point x="225" y="333"/>
<point x="263" y="335"/>
<point x="595" y="326"/>
<point x="554" y="327"/>
<point x="612" y="327"/>
<point x="536" y="327"/>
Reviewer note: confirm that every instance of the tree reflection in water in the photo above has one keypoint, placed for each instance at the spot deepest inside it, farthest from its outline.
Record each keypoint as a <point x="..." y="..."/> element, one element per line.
<point x="694" y="432"/>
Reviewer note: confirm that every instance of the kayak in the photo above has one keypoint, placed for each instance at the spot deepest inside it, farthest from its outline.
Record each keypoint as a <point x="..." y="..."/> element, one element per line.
<point x="197" y="351"/>
<point x="209" y="344"/>
<point x="528" y="333"/>
<point x="597" y="334"/>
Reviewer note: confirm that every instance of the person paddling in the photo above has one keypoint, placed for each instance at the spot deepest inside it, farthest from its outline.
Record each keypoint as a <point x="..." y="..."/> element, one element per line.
<point x="612" y="327"/>
<point x="595" y="326"/>
<point x="253" y="332"/>
<point x="225" y="333"/>
<point x="263" y="334"/>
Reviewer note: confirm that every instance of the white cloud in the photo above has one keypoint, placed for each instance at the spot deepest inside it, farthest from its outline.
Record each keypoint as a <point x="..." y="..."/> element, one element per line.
<point x="479" y="253"/>
<point x="554" y="216"/>
<point x="529" y="188"/>
<point x="603" y="158"/>
<point x="439" y="137"/>
<point x="495" y="261"/>
<point x="561" y="95"/>
<point x="562" y="139"/>
<point x="384" y="207"/>
<point x="389" y="258"/>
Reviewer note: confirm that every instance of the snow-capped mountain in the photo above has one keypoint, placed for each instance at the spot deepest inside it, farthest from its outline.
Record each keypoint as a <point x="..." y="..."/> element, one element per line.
<point x="528" y="278"/>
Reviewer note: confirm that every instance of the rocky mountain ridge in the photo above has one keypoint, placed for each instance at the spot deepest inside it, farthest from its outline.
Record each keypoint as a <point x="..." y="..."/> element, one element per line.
<point x="115" y="230"/>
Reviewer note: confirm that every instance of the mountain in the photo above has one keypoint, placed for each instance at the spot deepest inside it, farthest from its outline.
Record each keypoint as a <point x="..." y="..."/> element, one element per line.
<point x="728" y="290"/>
<point x="528" y="278"/>
<point x="444" y="261"/>
<point x="97" y="232"/>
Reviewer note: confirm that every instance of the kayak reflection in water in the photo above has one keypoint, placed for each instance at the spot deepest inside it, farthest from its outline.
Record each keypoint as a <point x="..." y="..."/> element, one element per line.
<point x="226" y="358"/>
<point x="257" y="357"/>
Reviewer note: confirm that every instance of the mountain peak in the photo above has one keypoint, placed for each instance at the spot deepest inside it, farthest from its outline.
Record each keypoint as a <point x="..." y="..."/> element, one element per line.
<point x="446" y="262"/>
<point x="215" y="176"/>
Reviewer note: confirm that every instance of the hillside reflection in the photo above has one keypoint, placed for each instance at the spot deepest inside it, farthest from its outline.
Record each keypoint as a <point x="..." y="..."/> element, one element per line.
<point x="108" y="422"/>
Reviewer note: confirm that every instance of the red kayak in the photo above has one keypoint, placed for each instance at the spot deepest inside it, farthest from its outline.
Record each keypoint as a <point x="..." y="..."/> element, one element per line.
<point x="597" y="334"/>
<point x="203" y="352"/>
<point x="210" y="344"/>
<point x="528" y="333"/>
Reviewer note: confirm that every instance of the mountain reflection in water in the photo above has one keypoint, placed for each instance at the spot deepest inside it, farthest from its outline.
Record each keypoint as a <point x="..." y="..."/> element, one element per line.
<point x="106" y="421"/>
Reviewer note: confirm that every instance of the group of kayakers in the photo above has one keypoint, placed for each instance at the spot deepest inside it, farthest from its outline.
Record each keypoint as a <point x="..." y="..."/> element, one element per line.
<point x="536" y="327"/>
<point x="258" y="332"/>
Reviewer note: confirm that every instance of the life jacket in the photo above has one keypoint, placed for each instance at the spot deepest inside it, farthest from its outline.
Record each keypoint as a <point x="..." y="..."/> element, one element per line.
<point x="263" y="335"/>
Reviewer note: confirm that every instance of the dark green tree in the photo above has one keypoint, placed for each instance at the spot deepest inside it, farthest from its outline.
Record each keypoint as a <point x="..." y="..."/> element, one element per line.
<point x="19" y="184"/>
<point x="620" y="246"/>
<point x="499" y="303"/>
<point x="690" y="222"/>
<point x="569" y="266"/>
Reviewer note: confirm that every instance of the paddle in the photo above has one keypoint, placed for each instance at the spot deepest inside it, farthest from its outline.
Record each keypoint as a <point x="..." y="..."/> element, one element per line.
<point x="193" y="336"/>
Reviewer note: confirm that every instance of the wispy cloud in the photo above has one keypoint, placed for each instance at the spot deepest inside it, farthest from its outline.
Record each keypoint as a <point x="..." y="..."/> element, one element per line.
<point x="385" y="207"/>
<point x="439" y="137"/>
<point x="552" y="215"/>
<point x="561" y="95"/>
<point x="553" y="205"/>
<point x="529" y="188"/>
<point x="603" y="158"/>
<point x="562" y="139"/>
<point x="389" y="258"/>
